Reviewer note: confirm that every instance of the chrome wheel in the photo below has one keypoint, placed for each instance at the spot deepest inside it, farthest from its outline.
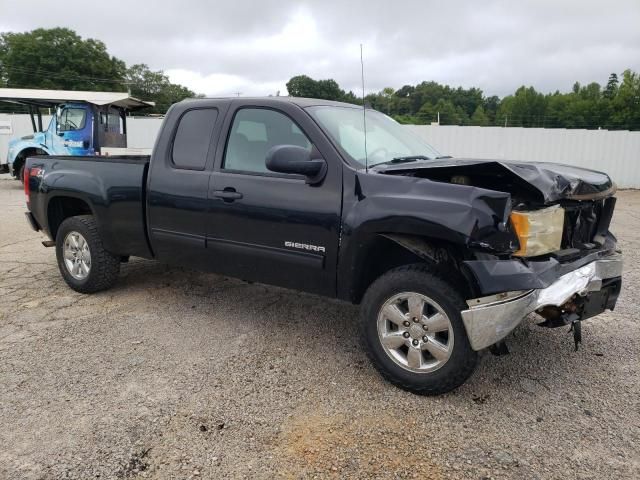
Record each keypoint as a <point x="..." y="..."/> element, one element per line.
<point x="77" y="257"/>
<point x="415" y="332"/>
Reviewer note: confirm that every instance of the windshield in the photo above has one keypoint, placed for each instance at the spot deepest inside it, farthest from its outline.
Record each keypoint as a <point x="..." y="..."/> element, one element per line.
<point x="387" y="140"/>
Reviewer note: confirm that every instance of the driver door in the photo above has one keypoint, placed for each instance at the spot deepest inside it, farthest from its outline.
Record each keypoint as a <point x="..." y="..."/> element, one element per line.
<point x="74" y="131"/>
<point x="268" y="227"/>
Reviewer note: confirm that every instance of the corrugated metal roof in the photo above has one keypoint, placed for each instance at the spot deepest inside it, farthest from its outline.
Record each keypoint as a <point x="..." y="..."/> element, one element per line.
<point x="47" y="98"/>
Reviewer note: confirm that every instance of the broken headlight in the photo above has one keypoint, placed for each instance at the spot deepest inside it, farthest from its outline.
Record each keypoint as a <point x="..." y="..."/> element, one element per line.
<point x="539" y="231"/>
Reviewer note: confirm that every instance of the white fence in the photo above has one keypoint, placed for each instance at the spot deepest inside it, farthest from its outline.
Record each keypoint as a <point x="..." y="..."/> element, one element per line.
<point x="142" y="131"/>
<point x="615" y="152"/>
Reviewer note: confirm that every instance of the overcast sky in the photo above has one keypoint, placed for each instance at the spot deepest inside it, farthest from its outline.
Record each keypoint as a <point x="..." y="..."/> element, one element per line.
<point x="254" y="47"/>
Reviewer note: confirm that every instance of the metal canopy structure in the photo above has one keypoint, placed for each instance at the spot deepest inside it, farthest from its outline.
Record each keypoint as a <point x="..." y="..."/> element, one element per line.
<point x="51" y="98"/>
<point x="36" y="99"/>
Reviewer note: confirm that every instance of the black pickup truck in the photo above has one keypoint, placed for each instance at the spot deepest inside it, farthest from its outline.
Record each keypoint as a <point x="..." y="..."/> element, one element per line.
<point x="445" y="256"/>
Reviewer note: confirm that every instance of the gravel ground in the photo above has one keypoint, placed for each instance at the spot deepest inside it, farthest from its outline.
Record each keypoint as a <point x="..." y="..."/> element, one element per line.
<point x="178" y="374"/>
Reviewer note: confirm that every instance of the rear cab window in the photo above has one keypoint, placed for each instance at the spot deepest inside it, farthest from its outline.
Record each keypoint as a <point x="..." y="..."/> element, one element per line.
<point x="193" y="138"/>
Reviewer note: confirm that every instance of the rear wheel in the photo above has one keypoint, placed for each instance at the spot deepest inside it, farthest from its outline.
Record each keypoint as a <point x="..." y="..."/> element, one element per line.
<point x="83" y="262"/>
<point x="413" y="331"/>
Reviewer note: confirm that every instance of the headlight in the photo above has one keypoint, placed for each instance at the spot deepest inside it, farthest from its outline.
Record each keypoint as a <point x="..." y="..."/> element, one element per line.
<point x="539" y="231"/>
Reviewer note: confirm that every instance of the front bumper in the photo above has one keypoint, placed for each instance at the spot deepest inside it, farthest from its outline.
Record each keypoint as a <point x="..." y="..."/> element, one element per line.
<point x="490" y="319"/>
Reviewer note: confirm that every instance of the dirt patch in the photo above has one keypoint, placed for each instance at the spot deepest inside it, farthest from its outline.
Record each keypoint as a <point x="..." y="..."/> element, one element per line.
<point x="369" y="447"/>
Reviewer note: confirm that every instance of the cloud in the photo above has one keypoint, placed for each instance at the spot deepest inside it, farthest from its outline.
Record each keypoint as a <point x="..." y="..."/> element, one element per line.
<point x="225" y="85"/>
<point x="254" y="47"/>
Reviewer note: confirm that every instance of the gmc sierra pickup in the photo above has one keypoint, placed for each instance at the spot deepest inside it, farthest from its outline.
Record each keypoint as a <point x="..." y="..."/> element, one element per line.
<point x="445" y="256"/>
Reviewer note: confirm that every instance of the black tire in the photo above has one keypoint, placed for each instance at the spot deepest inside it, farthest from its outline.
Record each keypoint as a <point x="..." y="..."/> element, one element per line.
<point x="105" y="267"/>
<point x="421" y="279"/>
<point x="20" y="175"/>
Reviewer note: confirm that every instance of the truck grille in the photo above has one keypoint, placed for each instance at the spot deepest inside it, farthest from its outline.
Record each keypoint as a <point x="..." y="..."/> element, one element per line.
<point x="586" y="223"/>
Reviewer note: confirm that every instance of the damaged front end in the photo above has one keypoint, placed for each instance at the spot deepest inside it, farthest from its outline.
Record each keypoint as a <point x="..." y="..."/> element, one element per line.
<point x="577" y="295"/>
<point x="552" y="254"/>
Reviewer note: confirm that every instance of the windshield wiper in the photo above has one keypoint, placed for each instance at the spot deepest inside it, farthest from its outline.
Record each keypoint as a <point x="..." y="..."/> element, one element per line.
<point x="407" y="159"/>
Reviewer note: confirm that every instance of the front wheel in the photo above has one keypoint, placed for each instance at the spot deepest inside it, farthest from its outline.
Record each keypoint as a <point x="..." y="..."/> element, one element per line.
<point x="413" y="331"/>
<point x="83" y="262"/>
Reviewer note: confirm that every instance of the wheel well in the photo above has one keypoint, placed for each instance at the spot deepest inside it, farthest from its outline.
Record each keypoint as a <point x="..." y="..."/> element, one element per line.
<point x="387" y="252"/>
<point x="21" y="157"/>
<point x="61" y="208"/>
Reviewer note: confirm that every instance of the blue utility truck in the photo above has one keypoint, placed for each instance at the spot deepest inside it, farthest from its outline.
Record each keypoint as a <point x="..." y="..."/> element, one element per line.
<point x="83" y="124"/>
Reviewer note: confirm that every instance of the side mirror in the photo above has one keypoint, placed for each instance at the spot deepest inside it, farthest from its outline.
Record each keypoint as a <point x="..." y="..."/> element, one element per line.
<point x="296" y="160"/>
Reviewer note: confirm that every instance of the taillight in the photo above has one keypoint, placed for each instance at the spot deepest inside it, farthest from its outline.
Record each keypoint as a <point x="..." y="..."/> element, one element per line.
<point x="25" y="178"/>
<point x="28" y="173"/>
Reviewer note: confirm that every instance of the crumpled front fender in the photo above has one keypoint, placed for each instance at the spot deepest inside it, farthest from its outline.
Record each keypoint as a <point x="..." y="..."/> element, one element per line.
<point x="460" y="214"/>
<point x="376" y="205"/>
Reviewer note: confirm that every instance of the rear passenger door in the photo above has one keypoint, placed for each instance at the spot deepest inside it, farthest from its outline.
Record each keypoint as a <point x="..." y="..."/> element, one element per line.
<point x="269" y="227"/>
<point x="178" y="184"/>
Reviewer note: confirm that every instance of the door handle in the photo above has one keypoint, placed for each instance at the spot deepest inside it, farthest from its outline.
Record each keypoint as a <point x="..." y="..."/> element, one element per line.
<point x="229" y="194"/>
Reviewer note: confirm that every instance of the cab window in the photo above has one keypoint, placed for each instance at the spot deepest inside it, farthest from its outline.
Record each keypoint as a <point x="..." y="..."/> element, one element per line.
<point x="193" y="137"/>
<point x="253" y="133"/>
<point x="111" y="121"/>
<point x="72" y="119"/>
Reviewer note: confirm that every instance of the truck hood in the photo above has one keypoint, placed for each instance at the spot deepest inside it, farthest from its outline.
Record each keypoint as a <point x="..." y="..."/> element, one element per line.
<point x="544" y="181"/>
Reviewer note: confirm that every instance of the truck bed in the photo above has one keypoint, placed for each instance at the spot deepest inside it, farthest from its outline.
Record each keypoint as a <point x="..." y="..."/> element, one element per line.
<point x="116" y="196"/>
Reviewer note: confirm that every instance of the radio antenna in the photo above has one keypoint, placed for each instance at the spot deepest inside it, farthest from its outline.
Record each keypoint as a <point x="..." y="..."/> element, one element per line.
<point x="364" y="114"/>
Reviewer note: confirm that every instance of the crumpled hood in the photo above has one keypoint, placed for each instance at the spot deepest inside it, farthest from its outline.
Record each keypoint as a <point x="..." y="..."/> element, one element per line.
<point x="550" y="181"/>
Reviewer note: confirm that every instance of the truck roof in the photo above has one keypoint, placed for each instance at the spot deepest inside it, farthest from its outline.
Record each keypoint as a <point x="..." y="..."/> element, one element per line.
<point x="51" y="98"/>
<point x="300" y="101"/>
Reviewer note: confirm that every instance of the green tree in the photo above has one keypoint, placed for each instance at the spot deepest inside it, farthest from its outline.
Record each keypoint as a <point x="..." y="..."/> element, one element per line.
<point x="304" y="86"/>
<point x="490" y="107"/>
<point x="406" y="91"/>
<point x="526" y="108"/>
<point x="429" y="92"/>
<point x="58" y="58"/>
<point x="427" y="114"/>
<point x="3" y="53"/>
<point x="479" y="118"/>
<point x="155" y="86"/>
<point x="626" y="104"/>
<point x="584" y="106"/>
<point x="351" y="97"/>
<point x="557" y="108"/>
<point x="388" y="95"/>
<point x="467" y="99"/>
<point x="407" y="119"/>
<point x="448" y="113"/>
<point x="611" y="89"/>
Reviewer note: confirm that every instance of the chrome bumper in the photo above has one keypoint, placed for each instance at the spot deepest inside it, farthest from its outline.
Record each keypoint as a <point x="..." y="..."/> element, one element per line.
<point x="490" y="319"/>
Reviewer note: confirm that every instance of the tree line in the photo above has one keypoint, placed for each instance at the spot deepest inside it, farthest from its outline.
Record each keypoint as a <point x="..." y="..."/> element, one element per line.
<point x="59" y="59"/>
<point x="614" y="106"/>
